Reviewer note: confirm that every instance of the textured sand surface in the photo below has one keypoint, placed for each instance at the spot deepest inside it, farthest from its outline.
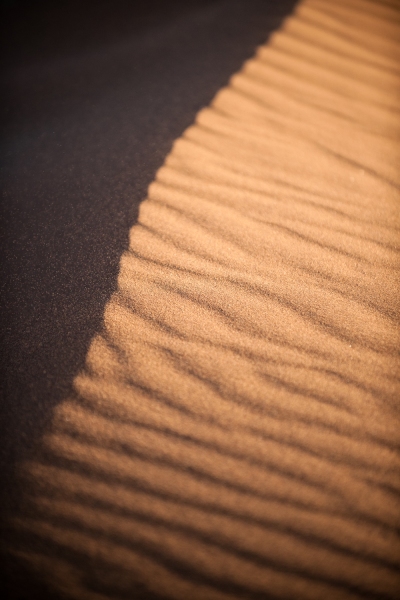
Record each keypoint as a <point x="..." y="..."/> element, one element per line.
<point x="235" y="433"/>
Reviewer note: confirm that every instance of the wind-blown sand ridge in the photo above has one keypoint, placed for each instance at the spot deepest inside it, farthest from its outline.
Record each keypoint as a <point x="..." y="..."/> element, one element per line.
<point x="235" y="433"/>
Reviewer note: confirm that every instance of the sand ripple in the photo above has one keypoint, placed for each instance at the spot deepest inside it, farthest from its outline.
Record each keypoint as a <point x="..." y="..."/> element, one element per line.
<point x="235" y="433"/>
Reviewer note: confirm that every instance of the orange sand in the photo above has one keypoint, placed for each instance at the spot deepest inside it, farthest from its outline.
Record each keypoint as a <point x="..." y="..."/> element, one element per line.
<point x="235" y="433"/>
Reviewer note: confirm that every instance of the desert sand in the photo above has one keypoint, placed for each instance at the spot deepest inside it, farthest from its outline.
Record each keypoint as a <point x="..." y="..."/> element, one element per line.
<point x="235" y="432"/>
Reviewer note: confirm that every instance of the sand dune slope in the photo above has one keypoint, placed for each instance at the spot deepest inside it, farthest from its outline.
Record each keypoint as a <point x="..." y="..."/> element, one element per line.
<point x="235" y="433"/>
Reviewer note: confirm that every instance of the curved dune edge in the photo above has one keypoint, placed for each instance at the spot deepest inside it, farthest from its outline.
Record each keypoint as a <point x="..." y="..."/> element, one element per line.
<point x="235" y="433"/>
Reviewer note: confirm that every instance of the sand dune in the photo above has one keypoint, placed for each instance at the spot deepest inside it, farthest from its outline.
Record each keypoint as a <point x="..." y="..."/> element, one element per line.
<point x="235" y="433"/>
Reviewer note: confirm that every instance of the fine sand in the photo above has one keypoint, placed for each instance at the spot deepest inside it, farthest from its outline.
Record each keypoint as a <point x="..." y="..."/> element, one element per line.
<point x="235" y="433"/>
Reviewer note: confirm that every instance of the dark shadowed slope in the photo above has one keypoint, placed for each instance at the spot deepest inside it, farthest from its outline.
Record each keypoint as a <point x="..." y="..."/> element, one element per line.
<point x="94" y="93"/>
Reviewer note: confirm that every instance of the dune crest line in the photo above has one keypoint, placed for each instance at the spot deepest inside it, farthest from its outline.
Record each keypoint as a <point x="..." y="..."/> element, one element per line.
<point x="235" y="432"/>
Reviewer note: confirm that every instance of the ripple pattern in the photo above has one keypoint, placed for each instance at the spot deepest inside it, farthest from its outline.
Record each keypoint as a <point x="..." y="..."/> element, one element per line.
<point x="235" y="432"/>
